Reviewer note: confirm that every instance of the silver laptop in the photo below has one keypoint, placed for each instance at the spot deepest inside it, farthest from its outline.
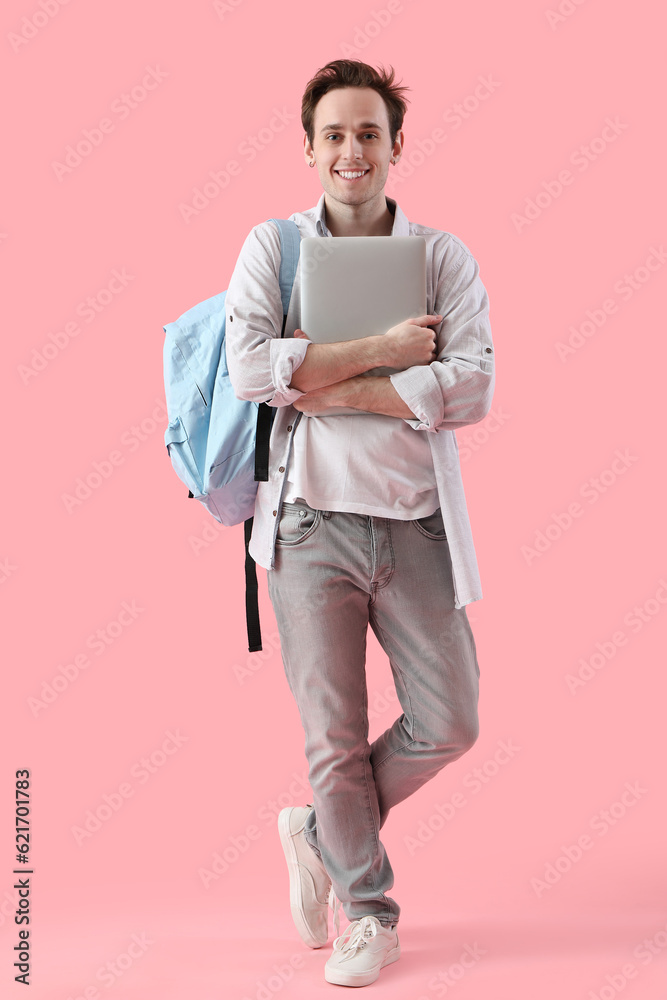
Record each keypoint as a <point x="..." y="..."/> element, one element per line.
<point x="360" y="286"/>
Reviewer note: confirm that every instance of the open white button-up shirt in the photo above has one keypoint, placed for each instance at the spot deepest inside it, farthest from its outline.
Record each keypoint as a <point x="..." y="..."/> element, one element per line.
<point x="451" y="392"/>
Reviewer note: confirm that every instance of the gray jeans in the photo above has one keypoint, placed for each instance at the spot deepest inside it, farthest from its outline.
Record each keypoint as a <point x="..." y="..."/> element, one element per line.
<point x="334" y="574"/>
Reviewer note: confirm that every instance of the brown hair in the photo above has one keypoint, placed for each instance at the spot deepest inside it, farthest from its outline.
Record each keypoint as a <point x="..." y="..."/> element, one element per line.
<point x="353" y="73"/>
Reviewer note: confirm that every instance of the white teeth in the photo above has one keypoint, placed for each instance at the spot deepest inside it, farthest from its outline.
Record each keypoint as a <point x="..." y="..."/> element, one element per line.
<point x="350" y="174"/>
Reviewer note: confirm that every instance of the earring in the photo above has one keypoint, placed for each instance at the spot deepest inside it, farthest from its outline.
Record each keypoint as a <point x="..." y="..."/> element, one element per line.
<point x="312" y="163"/>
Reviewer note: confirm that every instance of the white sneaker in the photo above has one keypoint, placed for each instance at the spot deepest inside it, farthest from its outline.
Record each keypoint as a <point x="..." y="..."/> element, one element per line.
<point x="360" y="952"/>
<point x="309" y="884"/>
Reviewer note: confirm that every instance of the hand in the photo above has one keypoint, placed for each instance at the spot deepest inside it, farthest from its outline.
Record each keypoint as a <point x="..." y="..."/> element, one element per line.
<point x="410" y="343"/>
<point x="317" y="400"/>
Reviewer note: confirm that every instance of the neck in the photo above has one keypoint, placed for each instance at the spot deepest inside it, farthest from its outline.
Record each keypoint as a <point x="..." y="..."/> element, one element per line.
<point x="370" y="219"/>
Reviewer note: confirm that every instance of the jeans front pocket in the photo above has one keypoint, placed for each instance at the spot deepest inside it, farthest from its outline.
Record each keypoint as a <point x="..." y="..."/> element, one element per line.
<point x="297" y="522"/>
<point x="432" y="526"/>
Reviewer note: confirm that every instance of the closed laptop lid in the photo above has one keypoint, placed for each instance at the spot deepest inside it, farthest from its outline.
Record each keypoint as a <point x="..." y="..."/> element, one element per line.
<point x="360" y="286"/>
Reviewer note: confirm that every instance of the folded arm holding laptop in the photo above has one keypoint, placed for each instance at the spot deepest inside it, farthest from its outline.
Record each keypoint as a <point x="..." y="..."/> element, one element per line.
<point x="453" y="388"/>
<point x="450" y="392"/>
<point x="332" y="374"/>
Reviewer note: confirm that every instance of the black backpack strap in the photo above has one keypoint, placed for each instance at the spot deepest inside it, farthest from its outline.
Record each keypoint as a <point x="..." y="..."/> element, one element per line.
<point x="263" y="433"/>
<point x="251" y="597"/>
<point x="265" y="415"/>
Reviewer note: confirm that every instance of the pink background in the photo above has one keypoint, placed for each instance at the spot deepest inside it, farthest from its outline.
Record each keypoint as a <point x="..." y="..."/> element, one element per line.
<point x="180" y="664"/>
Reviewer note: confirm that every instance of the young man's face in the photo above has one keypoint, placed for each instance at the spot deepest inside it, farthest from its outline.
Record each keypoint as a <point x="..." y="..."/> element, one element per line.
<point x="351" y="133"/>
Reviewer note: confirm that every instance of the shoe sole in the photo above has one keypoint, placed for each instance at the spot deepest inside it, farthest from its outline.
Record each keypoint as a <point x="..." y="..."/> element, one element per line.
<point x="295" y="880"/>
<point x="341" y="978"/>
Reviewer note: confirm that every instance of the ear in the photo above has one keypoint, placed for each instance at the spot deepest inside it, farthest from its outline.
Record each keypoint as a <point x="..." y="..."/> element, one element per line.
<point x="398" y="145"/>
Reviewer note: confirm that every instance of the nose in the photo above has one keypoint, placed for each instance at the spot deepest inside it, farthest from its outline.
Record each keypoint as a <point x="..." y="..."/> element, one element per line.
<point x="352" y="149"/>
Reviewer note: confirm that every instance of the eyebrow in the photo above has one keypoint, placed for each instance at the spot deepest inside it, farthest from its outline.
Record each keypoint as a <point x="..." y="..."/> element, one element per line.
<point x="337" y="125"/>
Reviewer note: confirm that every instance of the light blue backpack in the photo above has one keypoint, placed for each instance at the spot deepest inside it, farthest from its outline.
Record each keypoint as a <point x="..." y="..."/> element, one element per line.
<point x="212" y="436"/>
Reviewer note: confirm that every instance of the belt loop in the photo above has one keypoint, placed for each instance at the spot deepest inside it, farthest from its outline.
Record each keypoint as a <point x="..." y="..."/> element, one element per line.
<point x="326" y="513"/>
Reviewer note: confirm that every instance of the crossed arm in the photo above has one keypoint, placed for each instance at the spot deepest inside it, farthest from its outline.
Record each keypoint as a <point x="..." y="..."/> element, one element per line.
<point x="374" y="393"/>
<point x="331" y="374"/>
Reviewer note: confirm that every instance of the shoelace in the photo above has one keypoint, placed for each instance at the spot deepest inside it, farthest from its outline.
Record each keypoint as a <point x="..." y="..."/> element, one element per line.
<point x="356" y="936"/>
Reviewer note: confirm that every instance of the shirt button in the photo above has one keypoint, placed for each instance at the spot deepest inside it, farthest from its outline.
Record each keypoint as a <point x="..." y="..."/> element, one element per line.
<point x="488" y="350"/>
<point x="289" y="428"/>
<point x="231" y="319"/>
<point x="281" y="469"/>
<point x="275" y="513"/>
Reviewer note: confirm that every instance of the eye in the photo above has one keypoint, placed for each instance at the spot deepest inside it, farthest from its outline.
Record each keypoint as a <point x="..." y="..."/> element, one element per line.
<point x="335" y="135"/>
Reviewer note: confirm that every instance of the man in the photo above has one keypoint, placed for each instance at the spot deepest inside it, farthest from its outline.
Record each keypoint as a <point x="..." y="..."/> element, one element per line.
<point x="363" y="519"/>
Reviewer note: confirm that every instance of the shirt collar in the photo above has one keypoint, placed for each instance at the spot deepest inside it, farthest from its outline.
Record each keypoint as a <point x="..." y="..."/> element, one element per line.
<point x="401" y="225"/>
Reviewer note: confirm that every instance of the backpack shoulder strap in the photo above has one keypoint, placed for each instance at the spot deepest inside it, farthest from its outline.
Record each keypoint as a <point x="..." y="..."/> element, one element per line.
<point x="290" y="245"/>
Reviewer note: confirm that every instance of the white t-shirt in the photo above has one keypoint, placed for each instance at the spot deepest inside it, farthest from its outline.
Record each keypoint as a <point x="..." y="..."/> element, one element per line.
<point x="366" y="464"/>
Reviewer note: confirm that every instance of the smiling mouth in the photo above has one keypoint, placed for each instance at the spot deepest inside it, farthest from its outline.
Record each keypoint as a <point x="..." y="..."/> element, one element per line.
<point x="355" y="175"/>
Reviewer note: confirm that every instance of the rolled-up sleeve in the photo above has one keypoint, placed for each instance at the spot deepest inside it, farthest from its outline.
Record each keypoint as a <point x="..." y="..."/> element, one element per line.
<point x="260" y="362"/>
<point x="457" y="388"/>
